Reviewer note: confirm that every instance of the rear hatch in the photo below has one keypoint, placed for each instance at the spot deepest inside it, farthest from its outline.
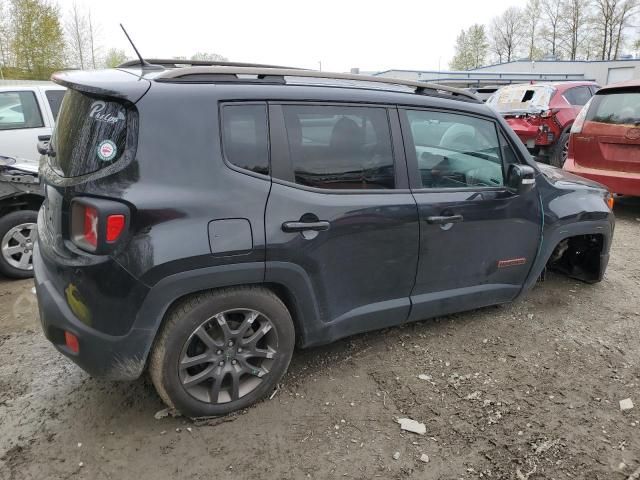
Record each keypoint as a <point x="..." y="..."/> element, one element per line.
<point x="610" y="136"/>
<point x="85" y="220"/>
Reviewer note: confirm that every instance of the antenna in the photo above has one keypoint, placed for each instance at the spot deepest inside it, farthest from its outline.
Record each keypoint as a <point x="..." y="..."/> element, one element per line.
<point x="143" y="62"/>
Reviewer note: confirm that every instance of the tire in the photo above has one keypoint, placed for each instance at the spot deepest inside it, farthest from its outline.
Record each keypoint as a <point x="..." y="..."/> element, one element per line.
<point x="194" y="330"/>
<point x="17" y="236"/>
<point x="560" y="150"/>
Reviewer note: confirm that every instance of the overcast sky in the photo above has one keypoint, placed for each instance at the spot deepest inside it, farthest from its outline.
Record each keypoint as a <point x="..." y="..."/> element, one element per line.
<point x="339" y="33"/>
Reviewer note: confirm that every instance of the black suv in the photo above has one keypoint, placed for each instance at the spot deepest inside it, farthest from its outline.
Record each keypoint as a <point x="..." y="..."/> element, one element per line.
<point x="201" y="221"/>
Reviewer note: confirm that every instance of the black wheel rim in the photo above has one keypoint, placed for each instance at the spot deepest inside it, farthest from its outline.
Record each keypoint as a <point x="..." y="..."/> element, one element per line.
<point x="228" y="356"/>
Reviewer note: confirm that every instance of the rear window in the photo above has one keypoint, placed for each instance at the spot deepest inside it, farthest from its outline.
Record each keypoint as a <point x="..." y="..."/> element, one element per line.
<point x="517" y="98"/>
<point x="90" y="134"/>
<point x="622" y="108"/>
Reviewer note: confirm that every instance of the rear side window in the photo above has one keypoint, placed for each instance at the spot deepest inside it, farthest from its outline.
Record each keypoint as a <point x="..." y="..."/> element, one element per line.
<point x="621" y="108"/>
<point x="245" y="138"/>
<point x="54" y="97"/>
<point x="340" y="147"/>
<point x="578" y="96"/>
<point x="19" y="110"/>
<point x="90" y="134"/>
<point x="456" y="151"/>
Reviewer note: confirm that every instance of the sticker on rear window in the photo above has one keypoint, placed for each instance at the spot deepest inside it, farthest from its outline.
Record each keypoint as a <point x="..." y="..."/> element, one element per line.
<point x="107" y="150"/>
<point x="96" y="110"/>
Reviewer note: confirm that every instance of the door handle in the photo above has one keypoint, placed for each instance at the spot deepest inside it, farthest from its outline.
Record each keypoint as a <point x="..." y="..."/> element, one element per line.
<point x="443" y="220"/>
<point x="319" y="226"/>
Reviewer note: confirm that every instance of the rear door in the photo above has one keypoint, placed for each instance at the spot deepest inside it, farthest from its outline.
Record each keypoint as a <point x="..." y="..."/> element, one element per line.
<point x="22" y="123"/>
<point x="610" y="136"/>
<point x="477" y="239"/>
<point x="340" y="211"/>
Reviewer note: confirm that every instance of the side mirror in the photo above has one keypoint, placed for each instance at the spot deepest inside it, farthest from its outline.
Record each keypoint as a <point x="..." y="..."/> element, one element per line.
<point x="521" y="178"/>
<point x="43" y="147"/>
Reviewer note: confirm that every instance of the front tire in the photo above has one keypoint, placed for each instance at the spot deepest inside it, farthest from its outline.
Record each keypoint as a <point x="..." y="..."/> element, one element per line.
<point x="222" y="350"/>
<point x="17" y="236"/>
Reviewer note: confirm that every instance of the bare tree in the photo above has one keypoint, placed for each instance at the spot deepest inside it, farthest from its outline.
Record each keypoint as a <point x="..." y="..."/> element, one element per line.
<point x="627" y="10"/>
<point x="612" y="19"/>
<point x="531" y="20"/>
<point x="552" y="16"/>
<point x="75" y="28"/>
<point x="92" y="39"/>
<point x="81" y="33"/>
<point x="574" y="23"/>
<point x="506" y="34"/>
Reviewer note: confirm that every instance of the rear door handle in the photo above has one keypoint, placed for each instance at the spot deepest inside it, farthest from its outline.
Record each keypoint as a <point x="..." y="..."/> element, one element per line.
<point x="443" y="220"/>
<point x="319" y="226"/>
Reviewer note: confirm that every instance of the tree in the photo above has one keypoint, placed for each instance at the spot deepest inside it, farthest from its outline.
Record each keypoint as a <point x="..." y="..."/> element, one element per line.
<point x="81" y="32"/>
<point x="209" y="57"/>
<point x="114" y="57"/>
<point x="37" y="42"/>
<point x="575" y="17"/>
<point x="612" y="19"/>
<point x="461" y="59"/>
<point x="471" y="48"/>
<point x="552" y="16"/>
<point x="506" y="34"/>
<point x="531" y="24"/>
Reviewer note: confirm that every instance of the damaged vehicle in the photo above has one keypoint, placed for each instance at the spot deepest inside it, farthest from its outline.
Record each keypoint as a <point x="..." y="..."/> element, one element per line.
<point x="542" y="114"/>
<point x="20" y="198"/>
<point x="283" y="208"/>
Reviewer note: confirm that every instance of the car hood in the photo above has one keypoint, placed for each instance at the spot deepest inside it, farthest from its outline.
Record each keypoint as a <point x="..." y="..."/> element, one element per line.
<point x="560" y="178"/>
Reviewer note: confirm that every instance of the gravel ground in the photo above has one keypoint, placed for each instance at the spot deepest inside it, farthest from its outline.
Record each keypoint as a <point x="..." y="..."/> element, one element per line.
<point x="529" y="390"/>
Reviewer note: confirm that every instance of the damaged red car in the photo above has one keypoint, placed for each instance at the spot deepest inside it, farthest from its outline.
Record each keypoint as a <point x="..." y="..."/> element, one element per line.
<point x="542" y="114"/>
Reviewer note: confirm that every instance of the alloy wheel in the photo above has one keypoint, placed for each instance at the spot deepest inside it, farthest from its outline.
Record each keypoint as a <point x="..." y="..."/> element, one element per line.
<point x="228" y="356"/>
<point x="17" y="246"/>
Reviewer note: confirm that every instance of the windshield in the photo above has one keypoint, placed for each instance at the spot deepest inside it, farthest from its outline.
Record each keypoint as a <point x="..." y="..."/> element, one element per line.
<point x="526" y="98"/>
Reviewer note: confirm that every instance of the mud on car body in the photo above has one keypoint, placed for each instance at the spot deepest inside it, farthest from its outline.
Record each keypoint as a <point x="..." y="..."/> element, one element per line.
<point x="239" y="211"/>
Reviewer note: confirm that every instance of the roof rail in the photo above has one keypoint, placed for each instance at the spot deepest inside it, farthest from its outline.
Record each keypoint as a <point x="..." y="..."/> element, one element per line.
<point x="212" y="74"/>
<point x="179" y="63"/>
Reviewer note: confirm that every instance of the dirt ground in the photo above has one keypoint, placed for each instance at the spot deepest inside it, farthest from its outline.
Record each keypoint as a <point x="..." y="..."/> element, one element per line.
<point x="529" y="390"/>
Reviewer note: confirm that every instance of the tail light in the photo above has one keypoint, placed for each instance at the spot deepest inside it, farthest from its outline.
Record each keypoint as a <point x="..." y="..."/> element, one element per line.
<point x="97" y="225"/>
<point x="578" y="123"/>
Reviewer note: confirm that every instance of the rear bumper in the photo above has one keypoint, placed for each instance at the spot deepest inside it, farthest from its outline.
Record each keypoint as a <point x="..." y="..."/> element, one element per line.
<point x="101" y="355"/>
<point x="623" y="183"/>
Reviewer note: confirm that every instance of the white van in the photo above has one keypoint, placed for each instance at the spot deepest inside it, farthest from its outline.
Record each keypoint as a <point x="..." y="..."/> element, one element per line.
<point x="27" y="115"/>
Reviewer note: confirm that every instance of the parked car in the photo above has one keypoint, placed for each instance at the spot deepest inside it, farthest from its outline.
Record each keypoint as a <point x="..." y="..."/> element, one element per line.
<point x="541" y="114"/>
<point x="27" y="115"/>
<point x="605" y="139"/>
<point x="201" y="221"/>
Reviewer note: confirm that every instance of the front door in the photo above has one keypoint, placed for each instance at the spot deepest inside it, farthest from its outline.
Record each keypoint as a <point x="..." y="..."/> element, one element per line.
<point x="477" y="238"/>
<point x="340" y="212"/>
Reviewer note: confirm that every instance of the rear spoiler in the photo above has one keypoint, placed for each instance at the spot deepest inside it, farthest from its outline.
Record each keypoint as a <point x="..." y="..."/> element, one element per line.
<point x="116" y="84"/>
